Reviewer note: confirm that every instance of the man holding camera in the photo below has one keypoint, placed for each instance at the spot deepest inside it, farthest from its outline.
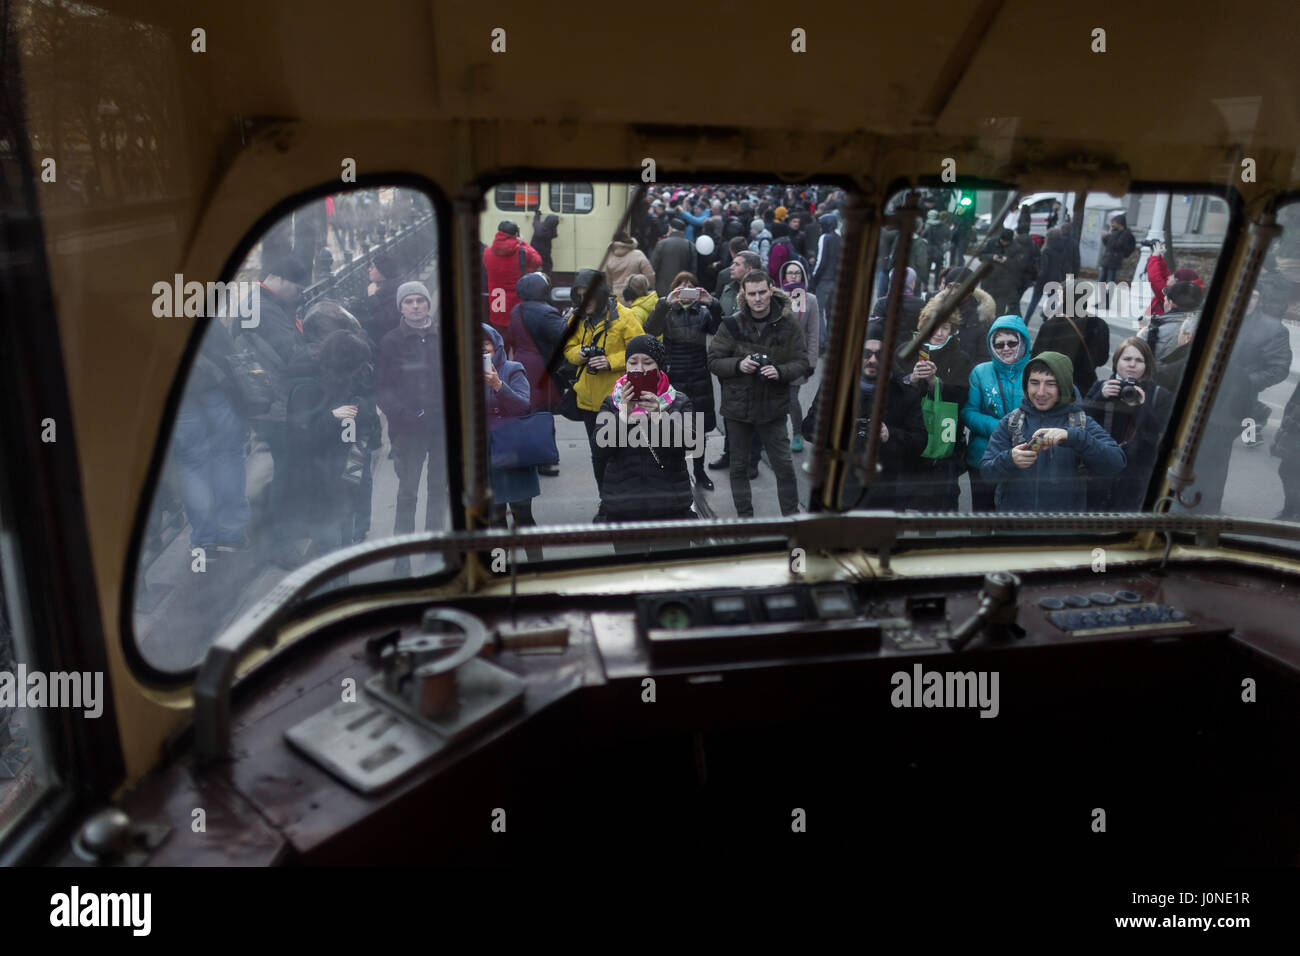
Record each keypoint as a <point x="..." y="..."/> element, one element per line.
<point x="757" y="353"/>
<point x="597" y="347"/>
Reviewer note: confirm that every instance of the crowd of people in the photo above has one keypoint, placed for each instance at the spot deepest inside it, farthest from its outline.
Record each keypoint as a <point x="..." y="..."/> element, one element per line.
<point x="713" y="303"/>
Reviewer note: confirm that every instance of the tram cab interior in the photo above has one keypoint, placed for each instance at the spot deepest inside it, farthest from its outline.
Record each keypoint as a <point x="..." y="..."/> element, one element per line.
<point x="1127" y="684"/>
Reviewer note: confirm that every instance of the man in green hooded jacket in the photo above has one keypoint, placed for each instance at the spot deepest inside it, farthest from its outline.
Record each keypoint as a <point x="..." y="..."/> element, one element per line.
<point x="1042" y="453"/>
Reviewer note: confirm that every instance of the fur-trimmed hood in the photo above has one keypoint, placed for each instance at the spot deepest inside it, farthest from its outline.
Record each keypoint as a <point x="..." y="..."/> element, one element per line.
<point x="984" y="305"/>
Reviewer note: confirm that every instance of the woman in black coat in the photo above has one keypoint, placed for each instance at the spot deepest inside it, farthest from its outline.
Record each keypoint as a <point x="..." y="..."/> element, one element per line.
<point x="942" y="360"/>
<point x="333" y="426"/>
<point x="685" y="326"/>
<point x="1136" y="428"/>
<point x="643" y="483"/>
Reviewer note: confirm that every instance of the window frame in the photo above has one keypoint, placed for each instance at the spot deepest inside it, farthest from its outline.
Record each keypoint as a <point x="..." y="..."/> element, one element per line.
<point x="514" y="207"/>
<point x="559" y="209"/>
<point x="140" y="667"/>
<point x="47" y="568"/>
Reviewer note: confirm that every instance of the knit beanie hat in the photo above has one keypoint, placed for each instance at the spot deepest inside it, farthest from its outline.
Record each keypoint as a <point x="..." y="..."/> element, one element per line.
<point x="651" y="346"/>
<point x="412" y="288"/>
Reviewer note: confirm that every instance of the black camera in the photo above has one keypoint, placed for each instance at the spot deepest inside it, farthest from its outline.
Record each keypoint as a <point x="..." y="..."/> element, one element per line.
<point x="1149" y="243"/>
<point x="1128" y="392"/>
<point x="760" y="358"/>
<point x="591" y="351"/>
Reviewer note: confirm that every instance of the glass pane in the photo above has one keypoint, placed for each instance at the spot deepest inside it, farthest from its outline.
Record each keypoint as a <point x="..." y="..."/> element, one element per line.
<point x="308" y="418"/>
<point x="1051" y="385"/>
<point x="572" y="197"/>
<point x="24" y="767"/>
<point x="1248" y="463"/>
<point x="677" y="274"/>
<point x="518" y="197"/>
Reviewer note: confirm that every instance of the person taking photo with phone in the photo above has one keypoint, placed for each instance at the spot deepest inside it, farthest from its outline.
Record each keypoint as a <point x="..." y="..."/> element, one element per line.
<point x="685" y="319"/>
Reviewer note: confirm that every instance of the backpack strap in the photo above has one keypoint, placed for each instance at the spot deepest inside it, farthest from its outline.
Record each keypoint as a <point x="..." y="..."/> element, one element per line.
<point x="1016" y="423"/>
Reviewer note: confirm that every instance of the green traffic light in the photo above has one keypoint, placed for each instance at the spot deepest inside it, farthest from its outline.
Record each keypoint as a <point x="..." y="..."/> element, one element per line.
<point x="965" y="201"/>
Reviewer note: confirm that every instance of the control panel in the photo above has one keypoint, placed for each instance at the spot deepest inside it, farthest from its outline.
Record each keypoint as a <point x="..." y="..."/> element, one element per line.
<point x="801" y="619"/>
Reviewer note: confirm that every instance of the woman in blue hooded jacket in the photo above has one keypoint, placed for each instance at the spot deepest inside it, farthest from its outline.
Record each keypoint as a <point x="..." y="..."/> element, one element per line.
<point x="995" y="390"/>
<point x="505" y="397"/>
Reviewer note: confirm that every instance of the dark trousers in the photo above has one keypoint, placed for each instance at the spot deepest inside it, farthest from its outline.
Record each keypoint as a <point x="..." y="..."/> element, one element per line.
<point x="523" y="512"/>
<point x="589" y="421"/>
<point x="408" y="460"/>
<point x="755" y="447"/>
<point x="776" y="437"/>
<point x="982" y="492"/>
<point x="1289" y="471"/>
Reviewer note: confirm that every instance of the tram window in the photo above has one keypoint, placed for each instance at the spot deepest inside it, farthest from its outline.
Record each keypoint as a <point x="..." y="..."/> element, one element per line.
<point x="1072" y="331"/>
<point x="519" y="197"/>
<point x="572" y="197"/>
<point x="1248" y="463"/>
<point x="315" y="403"/>
<point x="675" y="275"/>
<point x="25" y="768"/>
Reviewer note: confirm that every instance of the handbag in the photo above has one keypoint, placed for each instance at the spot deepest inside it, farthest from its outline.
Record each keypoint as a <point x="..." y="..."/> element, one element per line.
<point x="524" y="442"/>
<point x="936" y="413"/>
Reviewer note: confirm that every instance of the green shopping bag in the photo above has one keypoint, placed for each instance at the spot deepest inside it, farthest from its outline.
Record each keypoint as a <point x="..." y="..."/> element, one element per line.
<point x="941" y="425"/>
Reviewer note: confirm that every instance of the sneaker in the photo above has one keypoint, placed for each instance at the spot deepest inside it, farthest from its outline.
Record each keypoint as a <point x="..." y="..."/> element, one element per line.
<point x="550" y="471"/>
<point x="796" y="444"/>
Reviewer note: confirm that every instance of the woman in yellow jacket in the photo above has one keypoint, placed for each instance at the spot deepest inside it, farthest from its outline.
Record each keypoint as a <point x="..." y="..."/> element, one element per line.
<point x="640" y="297"/>
<point x="597" y="346"/>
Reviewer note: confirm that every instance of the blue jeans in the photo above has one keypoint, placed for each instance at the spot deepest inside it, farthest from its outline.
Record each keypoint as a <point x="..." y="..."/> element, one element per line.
<point x="208" y="443"/>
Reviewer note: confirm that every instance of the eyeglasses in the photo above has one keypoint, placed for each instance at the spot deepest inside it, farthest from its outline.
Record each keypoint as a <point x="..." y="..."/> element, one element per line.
<point x="1003" y="346"/>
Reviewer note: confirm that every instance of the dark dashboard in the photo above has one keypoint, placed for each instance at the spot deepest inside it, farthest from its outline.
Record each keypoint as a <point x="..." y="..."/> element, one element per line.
<point x="813" y="720"/>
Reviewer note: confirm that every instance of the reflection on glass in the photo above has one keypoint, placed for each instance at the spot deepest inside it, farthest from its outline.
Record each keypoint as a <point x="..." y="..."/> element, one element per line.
<point x="1248" y="463"/>
<point x="1051" y="384"/>
<point x="318" y="367"/>
<point x="708" y="320"/>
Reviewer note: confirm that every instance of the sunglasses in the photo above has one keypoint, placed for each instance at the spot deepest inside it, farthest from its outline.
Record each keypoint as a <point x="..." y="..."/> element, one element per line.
<point x="871" y="353"/>
<point x="1003" y="346"/>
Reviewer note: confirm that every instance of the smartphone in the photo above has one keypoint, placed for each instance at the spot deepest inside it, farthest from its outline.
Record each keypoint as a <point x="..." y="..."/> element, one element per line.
<point x="487" y="362"/>
<point x="1037" y="443"/>
<point x="923" y="355"/>
<point x="642" y="382"/>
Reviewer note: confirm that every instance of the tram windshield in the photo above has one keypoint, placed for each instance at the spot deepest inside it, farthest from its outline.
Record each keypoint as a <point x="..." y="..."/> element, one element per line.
<point x="667" y="362"/>
<point x="1054" y="383"/>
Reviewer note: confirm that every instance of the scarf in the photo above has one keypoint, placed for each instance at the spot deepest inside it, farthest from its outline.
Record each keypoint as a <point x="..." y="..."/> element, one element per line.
<point x="667" y="395"/>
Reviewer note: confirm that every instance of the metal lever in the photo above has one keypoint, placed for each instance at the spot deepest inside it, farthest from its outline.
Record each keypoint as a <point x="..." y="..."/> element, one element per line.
<point x="997" y="612"/>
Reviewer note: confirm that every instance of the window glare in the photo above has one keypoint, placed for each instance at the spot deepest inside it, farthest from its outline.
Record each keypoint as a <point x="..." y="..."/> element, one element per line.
<point x="312" y="419"/>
